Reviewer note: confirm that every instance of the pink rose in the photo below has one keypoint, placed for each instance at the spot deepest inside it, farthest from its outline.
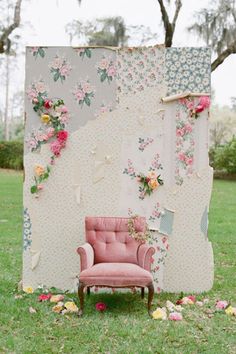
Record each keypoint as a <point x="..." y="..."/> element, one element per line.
<point x="189" y="161"/>
<point x="32" y="94"/>
<point x="35" y="100"/>
<point x="57" y="63"/>
<point x="50" y="132"/>
<point x="44" y="297"/>
<point x="175" y="316"/>
<point x="103" y="64"/>
<point x="32" y="143"/>
<point x="87" y="88"/>
<point x="179" y="132"/>
<point x="56" y="147"/>
<point x="63" y="118"/>
<point x="182" y="156"/>
<point x="100" y="306"/>
<point x="65" y="70"/>
<point x="192" y="298"/>
<point x="80" y="95"/>
<point x="188" y="128"/>
<point x="64" y="109"/>
<point x="204" y="101"/>
<point x="40" y="87"/>
<point x="42" y="137"/>
<point x="62" y="136"/>
<point x="39" y="187"/>
<point x="111" y="71"/>
<point x="221" y="304"/>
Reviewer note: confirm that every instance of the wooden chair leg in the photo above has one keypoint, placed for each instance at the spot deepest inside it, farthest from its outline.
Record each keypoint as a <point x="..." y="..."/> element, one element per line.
<point x="88" y="290"/>
<point x="150" y="296"/>
<point x="142" y="293"/>
<point x="81" y="297"/>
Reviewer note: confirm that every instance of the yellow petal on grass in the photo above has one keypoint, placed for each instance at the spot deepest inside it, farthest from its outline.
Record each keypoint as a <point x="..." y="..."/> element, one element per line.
<point x="28" y="289"/>
<point x="230" y="311"/>
<point x="71" y="306"/>
<point x="57" y="308"/>
<point x="159" y="314"/>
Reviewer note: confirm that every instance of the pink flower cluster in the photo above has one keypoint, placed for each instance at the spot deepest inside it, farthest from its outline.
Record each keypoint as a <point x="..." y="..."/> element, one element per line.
<point x="61" y="65"/>
<point x="36" y="89"/>
<point x="40" y="137"/>
<point x="188" y="160"/>
<point x="186" y="129"/>
<point x="194" y="109"/>
<point x="59" y="143"/>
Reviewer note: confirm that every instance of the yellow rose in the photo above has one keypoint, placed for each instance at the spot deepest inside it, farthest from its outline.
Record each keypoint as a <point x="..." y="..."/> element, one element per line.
<point x="153" y="183"/>
<point x="45" y="118"/>
<point x="39" y="170"/>
<point x="71" y="306"/>
<point x="57" y="308"/>
<point x="230" y="311"/>
<point x="159" y="314"/>
<point x="56" y="298"/>
<point x="28" y="289"/>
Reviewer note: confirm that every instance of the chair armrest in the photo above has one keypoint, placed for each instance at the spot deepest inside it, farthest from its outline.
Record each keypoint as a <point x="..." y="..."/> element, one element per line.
<point x="145" y="253"/>
<point x="86" y="253"/>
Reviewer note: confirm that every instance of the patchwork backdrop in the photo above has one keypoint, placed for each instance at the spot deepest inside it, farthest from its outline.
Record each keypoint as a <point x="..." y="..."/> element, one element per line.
<point x="119" y="127"/>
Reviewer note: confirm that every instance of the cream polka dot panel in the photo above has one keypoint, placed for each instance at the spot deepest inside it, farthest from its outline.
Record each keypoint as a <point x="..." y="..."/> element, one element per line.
<point x="118" y="127"/>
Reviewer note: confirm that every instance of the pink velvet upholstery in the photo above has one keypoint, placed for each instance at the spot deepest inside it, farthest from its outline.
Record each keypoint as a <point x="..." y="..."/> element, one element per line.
<point x="110" y="239"/>
<point x="112" y="258"/>
<point x="116" y="274"/>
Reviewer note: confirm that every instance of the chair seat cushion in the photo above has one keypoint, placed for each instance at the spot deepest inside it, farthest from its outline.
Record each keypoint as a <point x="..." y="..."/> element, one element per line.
<point x="116" y="274"/>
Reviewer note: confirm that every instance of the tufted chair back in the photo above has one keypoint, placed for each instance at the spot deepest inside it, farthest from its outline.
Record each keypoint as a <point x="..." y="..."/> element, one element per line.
<point x="110" y="239"/>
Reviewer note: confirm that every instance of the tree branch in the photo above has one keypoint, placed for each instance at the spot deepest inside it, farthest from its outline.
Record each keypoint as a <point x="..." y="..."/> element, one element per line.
<point x="7" y="31"/>
<point x="178" y="5"/>
<point x="219" y="60"/>
<point x="169" y="27"/>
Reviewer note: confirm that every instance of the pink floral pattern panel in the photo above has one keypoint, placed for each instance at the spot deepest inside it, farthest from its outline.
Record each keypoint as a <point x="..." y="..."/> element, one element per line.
<point x="85" y="77"/>
<point x="139" y="68"/>
<point x="184" y="151"/>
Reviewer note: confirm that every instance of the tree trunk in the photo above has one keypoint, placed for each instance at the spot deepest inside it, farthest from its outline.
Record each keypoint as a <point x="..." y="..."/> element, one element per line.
<point x="6" y="114"/>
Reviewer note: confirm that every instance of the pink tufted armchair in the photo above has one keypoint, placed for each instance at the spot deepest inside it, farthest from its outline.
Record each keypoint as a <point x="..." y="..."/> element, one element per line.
<point x="112" y="258"/>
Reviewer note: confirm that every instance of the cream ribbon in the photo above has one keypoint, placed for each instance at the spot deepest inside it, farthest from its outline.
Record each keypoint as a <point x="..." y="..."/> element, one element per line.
<point x="101" y="160"/>
<point x="183" y="95"/>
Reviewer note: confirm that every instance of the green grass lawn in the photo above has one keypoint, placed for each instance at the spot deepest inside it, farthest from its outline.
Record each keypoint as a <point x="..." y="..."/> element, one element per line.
<point x="125" y="327"/>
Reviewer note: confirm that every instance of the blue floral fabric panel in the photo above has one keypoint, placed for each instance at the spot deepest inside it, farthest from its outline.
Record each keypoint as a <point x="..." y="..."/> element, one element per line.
<point x="187" y="69"/>
<point x="204" y="222"/>
<point x="26" y="230"/>
<point x="166" y="224"/>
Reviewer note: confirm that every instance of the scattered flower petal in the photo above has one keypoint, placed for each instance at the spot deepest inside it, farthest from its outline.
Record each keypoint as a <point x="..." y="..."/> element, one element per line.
<point x="28" y="289"/>
<point x="221" y="304"/>
<point x="175" y="316"/>
<point x="230" y="310"/>
<point x="44" y="297"/>
<point x="56" y="298"/>
<point x="100" y="306"/>
<point x="160" y="314"/>
<point x="71" y="306"/>
<point x="32" y="310"/>
<point x="58" y="308"/>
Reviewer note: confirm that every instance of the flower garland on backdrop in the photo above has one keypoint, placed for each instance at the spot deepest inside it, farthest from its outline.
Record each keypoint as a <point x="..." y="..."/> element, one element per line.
<point x="149" y="183"/>
<point x="138" y="236"/>
<point x="54" y="116"/>
<point x="196" y="106"/>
